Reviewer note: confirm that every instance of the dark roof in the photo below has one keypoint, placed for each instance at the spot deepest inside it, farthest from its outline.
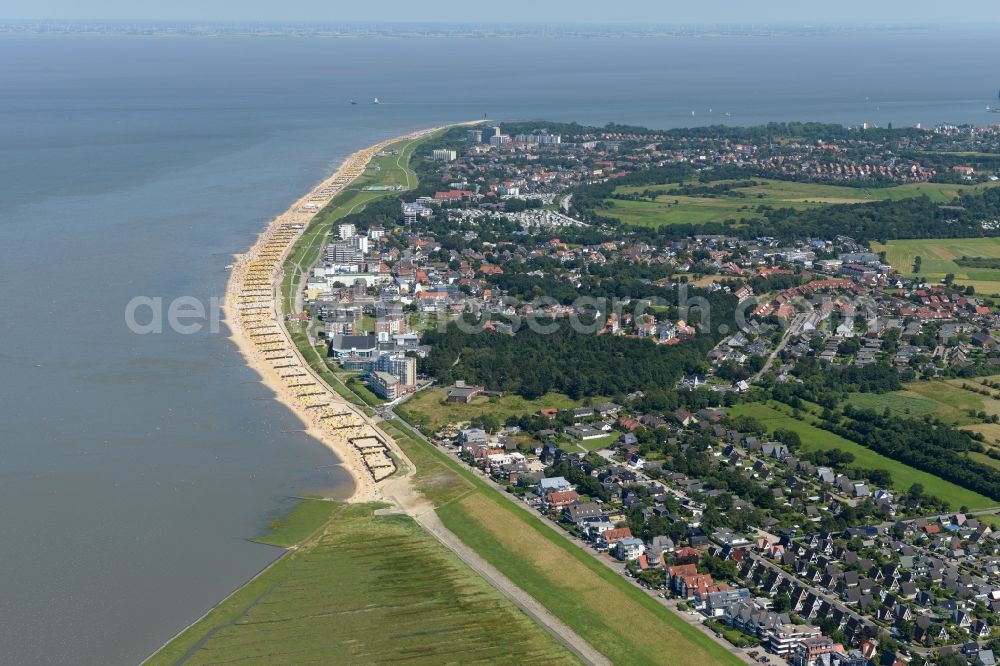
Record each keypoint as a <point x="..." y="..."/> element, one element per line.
<point x="354" y="342"/>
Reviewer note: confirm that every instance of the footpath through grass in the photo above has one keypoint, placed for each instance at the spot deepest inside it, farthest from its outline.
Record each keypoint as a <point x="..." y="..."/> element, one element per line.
<point x="618" y="619"/>
<point x="903" y="476"/>
<point x="367" y="590"/>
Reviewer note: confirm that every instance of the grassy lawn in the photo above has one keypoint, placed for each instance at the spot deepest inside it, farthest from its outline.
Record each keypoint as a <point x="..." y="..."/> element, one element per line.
<point x="597" y="443"/>
<point x="621" y="621"/>
<point x="367" y="590"/>
<point x="681" y="209"/>
<point x="985" y="459"/>
<point x="903" y="476"/>
<point x="734" y="636"/>
<point x="938" y="256"/>
<point x="428" y="409"/>
<point x="360" y="389"/>
<point x="439" y="479"/>
<point x="300" y="523"/>
<point x="991" y="519"/>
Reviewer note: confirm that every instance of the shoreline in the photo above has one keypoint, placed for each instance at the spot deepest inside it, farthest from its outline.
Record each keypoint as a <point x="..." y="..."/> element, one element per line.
<point x="252" y="311"/>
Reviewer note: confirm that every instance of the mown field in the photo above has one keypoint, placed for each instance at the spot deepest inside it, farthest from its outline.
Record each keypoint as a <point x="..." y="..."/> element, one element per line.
<point x="903" y="476"/>
<point x="938" y="257"/>
<point x="900" y="403"/>
<point x="610" y="613"/>
<point x="681" y="209"/>
<point x="428" y="409"/>
<point x="598" y="443"/>
<point x="943" y="399"/>
<point x="367" y="590"/>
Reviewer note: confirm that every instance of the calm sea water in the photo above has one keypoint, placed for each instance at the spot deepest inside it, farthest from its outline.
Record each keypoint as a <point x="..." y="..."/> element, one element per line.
<point x="133" y="468"/>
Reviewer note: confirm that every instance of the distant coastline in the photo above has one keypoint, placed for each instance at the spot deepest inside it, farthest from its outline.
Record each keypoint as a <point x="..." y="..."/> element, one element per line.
<point x="349" y="29"/>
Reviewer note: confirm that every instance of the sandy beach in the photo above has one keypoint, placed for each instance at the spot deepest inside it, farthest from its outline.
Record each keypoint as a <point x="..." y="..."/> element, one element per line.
<point x="252" y="311"/>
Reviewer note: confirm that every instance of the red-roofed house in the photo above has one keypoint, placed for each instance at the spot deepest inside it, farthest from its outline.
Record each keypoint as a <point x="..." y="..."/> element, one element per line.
<point x="678" y="571"/>
<point x="609" y="538"/>
<point x="558" y="500"/>
<point x="687" y="554"/>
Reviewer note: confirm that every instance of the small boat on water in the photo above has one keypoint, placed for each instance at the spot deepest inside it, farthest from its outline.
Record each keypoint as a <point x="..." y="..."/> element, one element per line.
<point x="376" y="101"/>
<point x="353" y="103"/>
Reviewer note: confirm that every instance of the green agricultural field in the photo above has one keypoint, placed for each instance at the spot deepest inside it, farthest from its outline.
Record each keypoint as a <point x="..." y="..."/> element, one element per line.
<point x="901" y="403"/>
<point x="687" y="211"/>
<point x="370" y="589"/>
<point x="614" y="616"/>
<point x="991" y="431"/>
<point x="985" y="459"/>
<point x="680" y="209"/>
<point x="945" y="400"/>
<point x="428" y="409"/>
<point x="938" y="257"/>
<point x="903" y="476"/>
<point x="942" y="399"/>
<point x="954" y="402"/>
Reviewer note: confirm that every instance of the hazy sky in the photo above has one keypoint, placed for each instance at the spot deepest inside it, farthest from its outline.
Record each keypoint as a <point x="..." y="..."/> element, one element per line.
<point x="621" y="11"/>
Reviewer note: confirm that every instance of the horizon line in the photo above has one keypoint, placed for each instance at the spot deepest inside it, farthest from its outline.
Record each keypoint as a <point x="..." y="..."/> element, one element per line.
<point x="636" y="23"/>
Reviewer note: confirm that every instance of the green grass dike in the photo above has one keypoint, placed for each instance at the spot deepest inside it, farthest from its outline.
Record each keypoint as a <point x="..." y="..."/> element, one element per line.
<point x="363" y="589"/>
<point x="614" y="616"/>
